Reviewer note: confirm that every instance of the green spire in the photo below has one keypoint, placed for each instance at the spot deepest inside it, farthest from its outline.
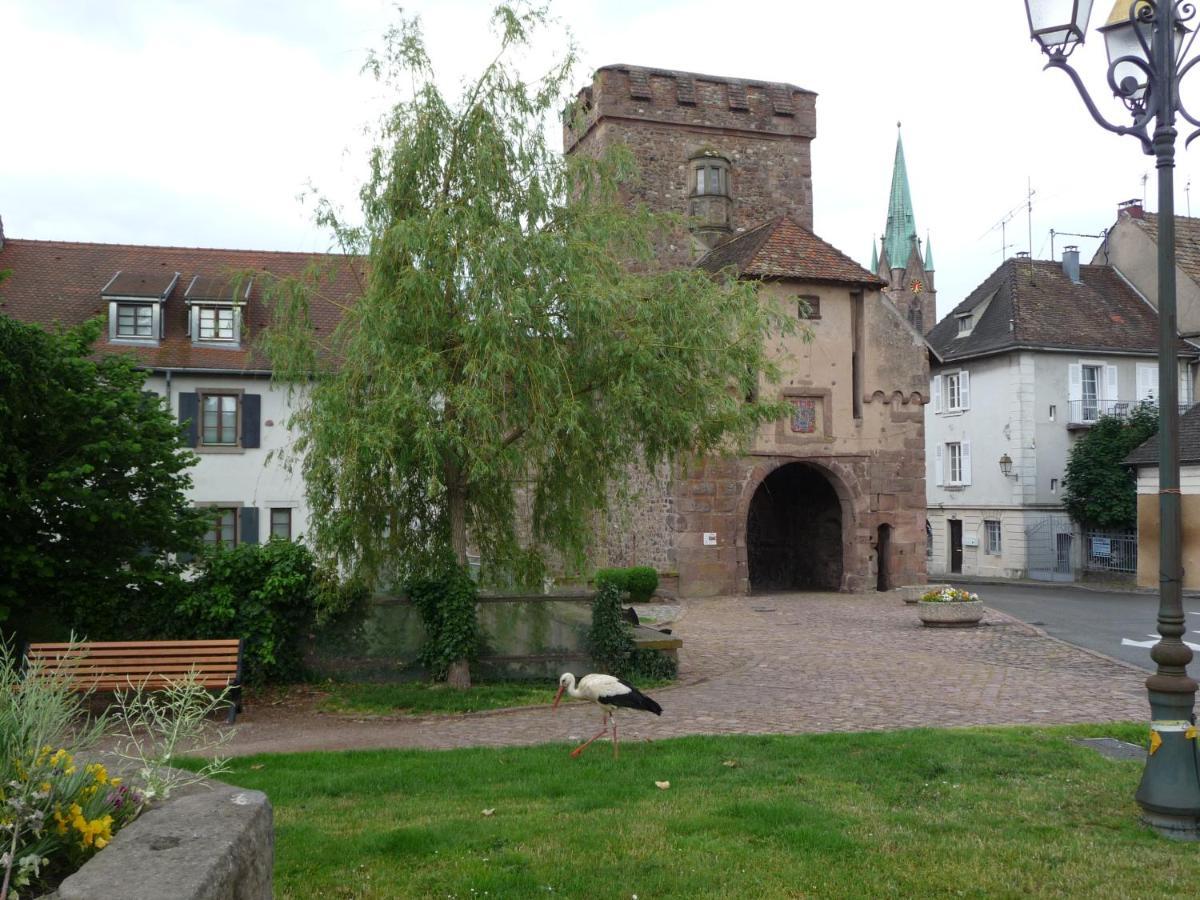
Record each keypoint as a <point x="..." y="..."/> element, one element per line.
<point x="928" y="253"/>
<point x="874" y="257"/>
<point x="900" y="237"/>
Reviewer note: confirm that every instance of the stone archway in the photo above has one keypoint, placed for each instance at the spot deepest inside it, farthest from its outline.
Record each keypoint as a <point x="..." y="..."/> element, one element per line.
<point x="794" y="532"/>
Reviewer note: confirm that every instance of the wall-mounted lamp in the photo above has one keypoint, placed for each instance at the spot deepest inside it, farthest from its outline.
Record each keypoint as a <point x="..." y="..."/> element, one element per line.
<point x="1005" y="465"/>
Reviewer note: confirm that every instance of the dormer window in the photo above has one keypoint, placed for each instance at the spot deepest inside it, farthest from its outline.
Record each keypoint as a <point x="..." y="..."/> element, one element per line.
<point x="215" y="309"/>
<point x="216" y="323"/>
<point x="965" y="324"/>
<point x="135" y="304"/>
<point x="135" y="320"/>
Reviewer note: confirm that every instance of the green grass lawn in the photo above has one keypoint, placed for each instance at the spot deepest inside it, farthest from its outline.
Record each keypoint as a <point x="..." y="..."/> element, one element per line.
<point x="422" y="697"/>
<point x="977" y="813"/>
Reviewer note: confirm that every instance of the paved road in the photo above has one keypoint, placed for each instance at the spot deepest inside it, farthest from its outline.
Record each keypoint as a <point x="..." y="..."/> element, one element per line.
<point x="1109" y="622"/>
<point x="782" y="664"/>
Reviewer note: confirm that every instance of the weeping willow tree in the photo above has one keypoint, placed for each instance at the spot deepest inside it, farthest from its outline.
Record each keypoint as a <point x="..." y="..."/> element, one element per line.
<point x="514" y="350"/>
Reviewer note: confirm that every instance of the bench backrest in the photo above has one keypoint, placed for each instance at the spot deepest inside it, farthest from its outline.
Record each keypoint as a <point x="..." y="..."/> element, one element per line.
<point x="119" y="665"/>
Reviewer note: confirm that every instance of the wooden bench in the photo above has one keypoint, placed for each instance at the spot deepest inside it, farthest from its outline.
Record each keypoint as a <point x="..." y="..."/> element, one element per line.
<point x="122" y="665"/>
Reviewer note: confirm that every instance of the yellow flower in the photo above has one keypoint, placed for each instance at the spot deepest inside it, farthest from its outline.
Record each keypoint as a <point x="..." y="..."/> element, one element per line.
<point x="101" y="843"/>
<point x="115" y="782"/>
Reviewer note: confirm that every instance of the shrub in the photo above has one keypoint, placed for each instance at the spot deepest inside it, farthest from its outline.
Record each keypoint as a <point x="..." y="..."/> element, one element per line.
<point x="641" y="582"/>
<point x="446" y="603"/>
<point x="262" y="593"/>
<point x="609" y="641"/>
<point x="654" y="664"/>
<point x="617" y="577"/>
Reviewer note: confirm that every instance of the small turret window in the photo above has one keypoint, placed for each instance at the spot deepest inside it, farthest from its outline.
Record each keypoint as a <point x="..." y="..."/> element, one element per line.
<point x="710" y="177"/>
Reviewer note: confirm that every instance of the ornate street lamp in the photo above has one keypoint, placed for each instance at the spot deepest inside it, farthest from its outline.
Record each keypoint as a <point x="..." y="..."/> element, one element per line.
<point x="1005" y="465"/>
<point x="1148" y="42"/>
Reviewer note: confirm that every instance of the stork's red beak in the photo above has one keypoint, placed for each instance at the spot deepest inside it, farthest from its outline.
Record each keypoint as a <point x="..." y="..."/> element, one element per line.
<point x="558" y="696"/>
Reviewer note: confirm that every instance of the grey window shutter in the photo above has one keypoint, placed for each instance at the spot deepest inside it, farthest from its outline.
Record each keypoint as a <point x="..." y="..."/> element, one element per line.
<point x="251" y="419"/>
<point x="189" y="417"/>
<point x="248" y="525"/>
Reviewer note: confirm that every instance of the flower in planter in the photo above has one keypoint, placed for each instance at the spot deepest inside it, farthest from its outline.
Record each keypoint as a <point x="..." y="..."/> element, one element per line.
<point x="948" y="595"/>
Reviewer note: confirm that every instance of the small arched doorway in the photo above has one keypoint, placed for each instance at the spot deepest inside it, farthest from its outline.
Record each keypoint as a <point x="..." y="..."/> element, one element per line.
<point x="794" y="532"/>
<point x="883" y="556"/>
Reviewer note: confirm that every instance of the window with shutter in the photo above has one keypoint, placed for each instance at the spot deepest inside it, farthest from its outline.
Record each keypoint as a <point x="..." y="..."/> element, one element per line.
<point x="219" y="420"/>
<point x="224" y="531"/>
<point x="1147" y="383"/>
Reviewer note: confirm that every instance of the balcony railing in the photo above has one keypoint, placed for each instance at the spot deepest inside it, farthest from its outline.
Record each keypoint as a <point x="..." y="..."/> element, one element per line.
<point x="1088" y="412"/>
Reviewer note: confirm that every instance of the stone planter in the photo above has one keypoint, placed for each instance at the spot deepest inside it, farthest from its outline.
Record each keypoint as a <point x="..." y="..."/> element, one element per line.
<point x="965" y="614"/>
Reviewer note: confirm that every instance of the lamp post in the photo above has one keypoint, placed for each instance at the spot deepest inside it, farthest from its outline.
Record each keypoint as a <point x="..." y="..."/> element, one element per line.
<point x="1148" y="42"/>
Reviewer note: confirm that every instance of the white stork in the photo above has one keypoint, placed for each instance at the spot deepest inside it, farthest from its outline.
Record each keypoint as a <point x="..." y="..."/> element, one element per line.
<point x="608" y="692"/>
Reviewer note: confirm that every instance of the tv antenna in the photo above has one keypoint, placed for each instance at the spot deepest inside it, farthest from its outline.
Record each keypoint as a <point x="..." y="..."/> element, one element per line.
<point x="1002" y="225"/>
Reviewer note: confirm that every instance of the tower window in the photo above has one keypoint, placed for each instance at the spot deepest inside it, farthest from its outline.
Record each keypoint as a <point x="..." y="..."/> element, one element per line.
<point x="710" y="177"/>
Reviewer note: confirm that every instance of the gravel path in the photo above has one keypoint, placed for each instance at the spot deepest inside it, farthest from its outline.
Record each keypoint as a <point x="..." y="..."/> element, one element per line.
<point x="783" y="664"/>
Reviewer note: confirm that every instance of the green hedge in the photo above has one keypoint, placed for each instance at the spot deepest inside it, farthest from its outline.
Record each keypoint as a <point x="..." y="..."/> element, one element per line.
<point x="640" y="582"/>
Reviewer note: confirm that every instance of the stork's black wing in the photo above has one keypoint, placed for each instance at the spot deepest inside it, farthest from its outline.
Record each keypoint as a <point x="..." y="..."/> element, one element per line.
<point x="632" y="699"/>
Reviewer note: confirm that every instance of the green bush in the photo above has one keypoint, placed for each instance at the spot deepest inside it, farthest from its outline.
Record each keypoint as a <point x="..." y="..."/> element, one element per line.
<point x="653" y="664"/>
<point x="447" y="606"/>
<point x="617" y="577"/>
<point x="609" y="640"/>
<point x="641" y="582"/>
<point x="263" y="593"/>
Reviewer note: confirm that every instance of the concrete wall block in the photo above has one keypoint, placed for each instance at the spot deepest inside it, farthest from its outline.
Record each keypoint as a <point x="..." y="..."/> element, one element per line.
<point x="202" y="844"/>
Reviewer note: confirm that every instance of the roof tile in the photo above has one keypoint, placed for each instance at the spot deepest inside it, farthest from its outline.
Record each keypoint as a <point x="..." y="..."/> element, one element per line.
<point x="783" y="248"/>
<point x="60" y="282"/>
<point x="1032" y="303"/>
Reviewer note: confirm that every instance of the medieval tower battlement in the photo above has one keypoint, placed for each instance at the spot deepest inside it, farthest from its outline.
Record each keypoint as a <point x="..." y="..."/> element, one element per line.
<point x="728" y="153"/>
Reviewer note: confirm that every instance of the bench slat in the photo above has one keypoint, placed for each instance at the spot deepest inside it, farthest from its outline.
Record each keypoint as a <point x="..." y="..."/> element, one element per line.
<point x="102" y="684"/>
<point x="36" y="653"/>
<point x="84" y="669"/>
<point x="118" y="665"/>
<point x="136" y="645"/>
<point x="52" y="662"/>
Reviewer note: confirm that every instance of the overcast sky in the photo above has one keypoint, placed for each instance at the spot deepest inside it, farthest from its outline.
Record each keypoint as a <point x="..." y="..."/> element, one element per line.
<point x="199" y="123"/>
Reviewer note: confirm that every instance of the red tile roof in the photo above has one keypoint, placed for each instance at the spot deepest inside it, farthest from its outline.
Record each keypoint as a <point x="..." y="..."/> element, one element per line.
<point x="783" y="248"/>
<point x="60" y="282"/>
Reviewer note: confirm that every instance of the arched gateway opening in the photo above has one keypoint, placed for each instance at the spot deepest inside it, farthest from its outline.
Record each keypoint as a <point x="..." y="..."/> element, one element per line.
<point x="794" y="532"/>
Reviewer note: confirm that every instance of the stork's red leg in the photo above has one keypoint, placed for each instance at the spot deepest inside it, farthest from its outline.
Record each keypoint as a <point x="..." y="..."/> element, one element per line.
<point x="585" y="744"/>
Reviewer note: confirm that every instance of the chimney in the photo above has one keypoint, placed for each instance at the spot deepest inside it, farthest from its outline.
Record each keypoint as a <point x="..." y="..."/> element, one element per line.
<point x="1133" y="208"/>
<point x="1070" y="263"/>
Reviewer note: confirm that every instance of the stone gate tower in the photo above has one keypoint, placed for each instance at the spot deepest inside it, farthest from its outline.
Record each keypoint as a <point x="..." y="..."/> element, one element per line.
<point x="909" y="277"/>
<point x="832" y="495"/>
<point x="727" y="152"/>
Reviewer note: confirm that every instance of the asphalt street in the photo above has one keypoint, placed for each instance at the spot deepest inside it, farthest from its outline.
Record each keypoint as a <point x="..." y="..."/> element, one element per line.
<point x="1116" y="624"/>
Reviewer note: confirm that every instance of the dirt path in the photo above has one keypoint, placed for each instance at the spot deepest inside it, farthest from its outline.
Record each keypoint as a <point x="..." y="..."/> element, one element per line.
<point x="782" y="664"/>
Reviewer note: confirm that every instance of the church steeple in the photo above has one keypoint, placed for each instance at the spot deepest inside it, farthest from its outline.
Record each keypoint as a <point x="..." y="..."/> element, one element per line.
<point x="900" y="238"/>
<point x="907" y="271"/>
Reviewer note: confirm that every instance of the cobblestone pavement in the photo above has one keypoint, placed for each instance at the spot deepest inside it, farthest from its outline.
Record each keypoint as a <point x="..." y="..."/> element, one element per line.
<point x="784" y="664"/>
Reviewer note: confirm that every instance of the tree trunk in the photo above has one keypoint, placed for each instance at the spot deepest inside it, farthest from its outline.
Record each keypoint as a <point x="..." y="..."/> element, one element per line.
<point x="459" y="675"/>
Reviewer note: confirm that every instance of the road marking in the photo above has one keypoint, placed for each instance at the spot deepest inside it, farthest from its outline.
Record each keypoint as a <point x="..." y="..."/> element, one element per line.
<point x="1126" y="642"/>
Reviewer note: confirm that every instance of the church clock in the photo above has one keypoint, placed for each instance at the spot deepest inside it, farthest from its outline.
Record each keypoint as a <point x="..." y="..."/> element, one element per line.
<point x="917" y="287"/>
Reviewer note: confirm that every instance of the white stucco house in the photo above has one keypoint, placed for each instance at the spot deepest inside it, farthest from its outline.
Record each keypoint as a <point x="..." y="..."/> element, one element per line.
<point x="1029" y="361"/>
<point x="190" y="316"/>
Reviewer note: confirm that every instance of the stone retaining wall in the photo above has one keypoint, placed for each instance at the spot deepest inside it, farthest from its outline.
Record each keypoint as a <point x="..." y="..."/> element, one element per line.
<point x="210" y="841"/>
